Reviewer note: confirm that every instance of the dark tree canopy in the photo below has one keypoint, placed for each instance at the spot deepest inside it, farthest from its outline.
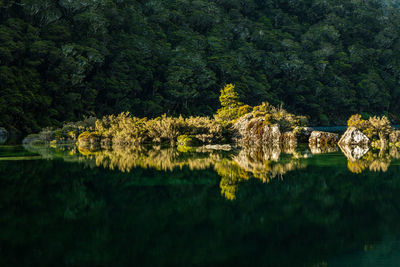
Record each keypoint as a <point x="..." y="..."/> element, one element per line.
<point x="62" y="60"/>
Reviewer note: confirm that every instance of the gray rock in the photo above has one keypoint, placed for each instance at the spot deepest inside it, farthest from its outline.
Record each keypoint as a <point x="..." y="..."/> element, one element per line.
<point x="318" y="138"/>
<point x="271" y="134"/>
<point x="240" y="127"/>
<point x="254" y="131"/>
<point x="353" y="136"/>
<point x="3" y="135"/>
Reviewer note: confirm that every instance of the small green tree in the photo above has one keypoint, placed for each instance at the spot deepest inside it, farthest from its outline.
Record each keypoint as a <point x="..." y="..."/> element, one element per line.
<point x="231" y="105"/>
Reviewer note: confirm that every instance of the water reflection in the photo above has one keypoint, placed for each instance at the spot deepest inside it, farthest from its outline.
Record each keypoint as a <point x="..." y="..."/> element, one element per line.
<point x="263" y="163"/>
<point x="316" y="149"/>
<point x="361" y="158"/>
<point x="55" y="211"/>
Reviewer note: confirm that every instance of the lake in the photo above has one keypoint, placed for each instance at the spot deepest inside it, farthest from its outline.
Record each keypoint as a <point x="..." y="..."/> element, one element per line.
<point x="64" y="206"/>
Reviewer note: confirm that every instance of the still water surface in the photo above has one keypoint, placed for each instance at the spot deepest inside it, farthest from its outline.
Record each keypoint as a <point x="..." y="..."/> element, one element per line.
<point x="164" y="207"/>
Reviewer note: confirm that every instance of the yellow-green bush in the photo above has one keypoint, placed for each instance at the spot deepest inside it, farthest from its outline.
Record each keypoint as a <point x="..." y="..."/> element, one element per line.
<point x="187" y="140"/>
<point x="231" y="108"/>
<point x="376" y="128"/>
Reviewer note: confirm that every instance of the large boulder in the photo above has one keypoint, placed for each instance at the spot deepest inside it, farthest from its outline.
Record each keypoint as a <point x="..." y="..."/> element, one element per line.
<point x="3" y="135"/>
<point x="240" y="126"/>
<point x="3" y="132"/>
<point x="255" y="131"/>
<point x="354" y="137"/>
<point x="318" y="138"/>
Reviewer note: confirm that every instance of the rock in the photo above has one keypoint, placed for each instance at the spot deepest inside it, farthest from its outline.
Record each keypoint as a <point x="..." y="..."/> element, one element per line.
<point x="318" y="138"/>
<point x="30" y="139"/>
<point x="394" y="137"/>
<point x="225" y="147"/>
<point x="355" y="152"/>
<point x="255" y="131"/>
<point x="302" y="134"/>
<point x="3" y="132"/>
<point x="240" y="127"/>
<point x="3" y="135"/>
<point x="353" y="136"/>
<point x="271" y="134"/>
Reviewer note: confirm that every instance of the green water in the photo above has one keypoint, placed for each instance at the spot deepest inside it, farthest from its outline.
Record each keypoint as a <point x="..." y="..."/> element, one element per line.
<point x="163" y="207"/>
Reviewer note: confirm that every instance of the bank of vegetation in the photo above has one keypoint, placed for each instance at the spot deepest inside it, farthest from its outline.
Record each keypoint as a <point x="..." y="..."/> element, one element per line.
<point x="125" y="129"/>
<point x="234" y="122"/>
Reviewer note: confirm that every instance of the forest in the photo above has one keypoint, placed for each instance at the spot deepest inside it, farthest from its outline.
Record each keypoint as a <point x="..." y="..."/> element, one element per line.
<point x="63" y="60"/>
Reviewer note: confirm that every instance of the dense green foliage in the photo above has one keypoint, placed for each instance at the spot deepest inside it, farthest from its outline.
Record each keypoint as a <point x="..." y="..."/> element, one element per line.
<point x="376" y="128"/>
<point x="61" y="60"/>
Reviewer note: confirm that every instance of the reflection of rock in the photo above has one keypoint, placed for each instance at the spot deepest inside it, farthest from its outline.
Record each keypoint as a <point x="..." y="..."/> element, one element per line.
<point x="289" y="140"/>
<point x="354" y="153"/>
<point x="3" y="139"/>
<point x="318" y="138"/>
<point x="315" y="149"/>
<point x="264" y="163"/>
<point x="3" y="135"/>
<point x="225" y="147"/>
<point x="360" y="158"/>
<point x="353" y="136"/>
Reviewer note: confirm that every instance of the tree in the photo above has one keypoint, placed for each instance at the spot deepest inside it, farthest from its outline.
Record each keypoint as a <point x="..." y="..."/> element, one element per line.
<point x="232" y="108"/>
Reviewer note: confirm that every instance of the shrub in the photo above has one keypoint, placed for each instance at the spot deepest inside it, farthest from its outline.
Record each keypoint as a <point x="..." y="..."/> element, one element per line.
<point x="187" y="140"/>
<point x="375" y="127"/>
<point x="378" y="127"/>
<point x="229" y="100"/>
<point x="357" y="122"/>
<point x="165" y="128"/>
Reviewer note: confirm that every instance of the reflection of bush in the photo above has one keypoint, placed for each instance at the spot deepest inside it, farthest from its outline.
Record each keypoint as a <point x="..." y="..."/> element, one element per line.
<point x="373" y="160"/>
<point x="160" y="159"/>
<point x="264" y="163"/>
